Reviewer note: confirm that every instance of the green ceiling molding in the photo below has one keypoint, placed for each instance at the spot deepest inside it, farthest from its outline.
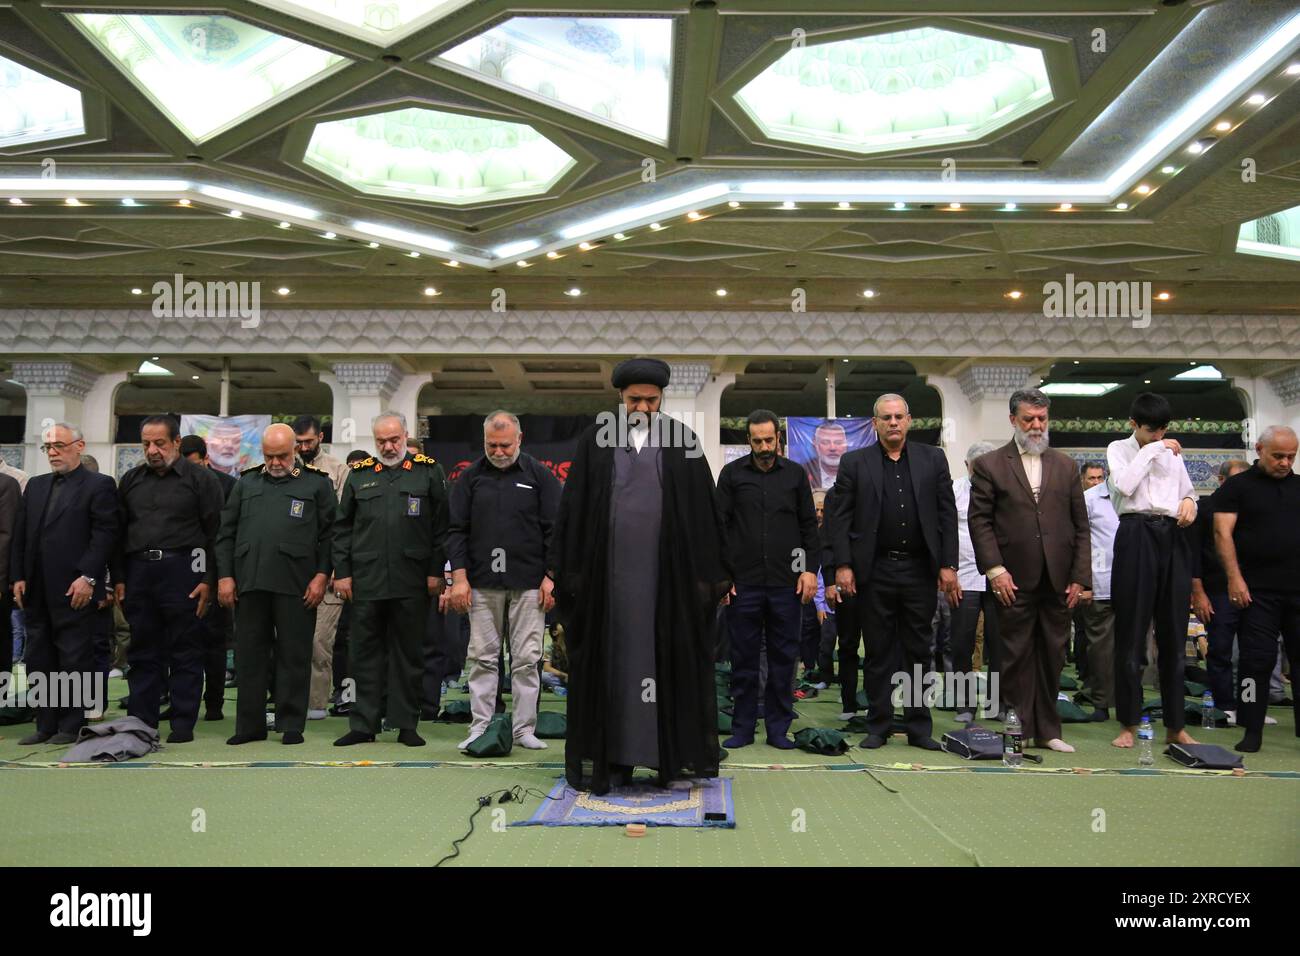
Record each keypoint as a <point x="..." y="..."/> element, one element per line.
<point x="616" y="70"/>
<point x="1276" y="236"/>
<point x="205" y="73"/>
<point x="882" y="91"/>
<point x="39" y="112"/>
<point x="382" y="22"/>
<point x="418" y="153"/>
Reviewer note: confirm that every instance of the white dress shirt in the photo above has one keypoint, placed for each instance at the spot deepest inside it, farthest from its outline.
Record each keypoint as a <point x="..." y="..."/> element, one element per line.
<point x="1033" y="465"/>
<point x="968" y="576"/>
<point x="1102" y="524"/>
<point x="1148" y="480"/>
<point x="639" y="435"/>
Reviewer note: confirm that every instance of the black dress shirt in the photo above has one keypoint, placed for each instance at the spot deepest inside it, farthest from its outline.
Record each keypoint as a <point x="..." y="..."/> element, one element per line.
<point x="768" y="517"/>
<point x="177" y="510"/>
<point x="900" y="527"/>
<point x="511" y="509"/>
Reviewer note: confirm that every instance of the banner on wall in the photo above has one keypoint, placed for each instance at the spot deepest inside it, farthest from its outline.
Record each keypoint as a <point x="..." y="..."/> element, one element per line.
<point x="818" y="444"/>
<point x="455" y="457"/>
<point x="234" y="442"/>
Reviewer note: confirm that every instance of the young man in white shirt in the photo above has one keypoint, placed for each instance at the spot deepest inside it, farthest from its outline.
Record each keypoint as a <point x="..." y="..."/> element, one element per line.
<point x="1152" y="579"/>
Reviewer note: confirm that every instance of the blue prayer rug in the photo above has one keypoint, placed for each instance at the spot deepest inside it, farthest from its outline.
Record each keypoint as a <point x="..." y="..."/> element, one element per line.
<point x="686" y="803"/>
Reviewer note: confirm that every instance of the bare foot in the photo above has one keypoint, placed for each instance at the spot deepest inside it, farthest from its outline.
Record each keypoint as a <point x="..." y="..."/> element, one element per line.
<point x="1125" y="738"/>
<point x="1059" y="745"/>
<point x="1182" y="737"/>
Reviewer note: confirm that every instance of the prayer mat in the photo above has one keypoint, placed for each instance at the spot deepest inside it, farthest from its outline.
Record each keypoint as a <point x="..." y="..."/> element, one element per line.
<point x="686" y="803"/>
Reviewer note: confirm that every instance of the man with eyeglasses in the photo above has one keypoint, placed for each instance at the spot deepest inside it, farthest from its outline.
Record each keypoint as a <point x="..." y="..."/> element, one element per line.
<point x="64" y="535"/>
<point x="166" y="574"/>
<point x="389" y="551"/>
<point x="307" y="441"/>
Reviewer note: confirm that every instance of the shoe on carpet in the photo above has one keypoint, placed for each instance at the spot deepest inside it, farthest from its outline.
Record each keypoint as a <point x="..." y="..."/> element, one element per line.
<point x="214" y="714"/>
<point x="1250" y="744"/>
<point x="60" y="739"/>
<point x="238" y="739"/>
<point x="530" y="742"/>
<point x="924" y="743"/>
<point x="848" y="715"/>
<point x="873" y="741"/>
<point x="781" y="743"/>
<point x="1100" y="714"/>
<point x="180" y="737"/>
<point x="292" y="737"/>
<point x="31" y="740"/>
<point x="410" y="738"/>
<point x="316" y="714"/>
<point x="733" y="742"/>
<point x="166" y="714"/>
<point x="340" y="710"/>
<point x="354" y="737"/>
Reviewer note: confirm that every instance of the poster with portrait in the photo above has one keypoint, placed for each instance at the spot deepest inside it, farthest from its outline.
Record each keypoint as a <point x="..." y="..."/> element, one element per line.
<point x="819" y="443"/>
<point x="234" y="442"/>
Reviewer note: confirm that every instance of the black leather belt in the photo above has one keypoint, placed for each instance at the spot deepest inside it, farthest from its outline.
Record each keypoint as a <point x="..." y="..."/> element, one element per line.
<point x="1149" y="518"/>
<point x="899" y="555"/>
<point x="156" y="555"/>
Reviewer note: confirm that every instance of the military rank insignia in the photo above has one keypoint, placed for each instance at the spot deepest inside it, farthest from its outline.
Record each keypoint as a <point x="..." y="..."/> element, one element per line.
<point x="413" y="507"/>
<point x="295" y="508"/>
<point x="406" y="465"/>
<point x="364" y="463"/>
<point x="296" y="472"/>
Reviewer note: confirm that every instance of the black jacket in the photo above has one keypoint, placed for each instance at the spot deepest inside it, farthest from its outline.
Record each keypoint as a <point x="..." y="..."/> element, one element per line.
<point x="78" y="538"/>
<point x="856" y="505"/>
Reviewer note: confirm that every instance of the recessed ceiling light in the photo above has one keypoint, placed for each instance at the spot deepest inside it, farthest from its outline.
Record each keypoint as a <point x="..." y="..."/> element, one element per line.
<point x="844" y="205"/>
<point x="329" y="235"/>
<point x="733" y="204"/>
<point x="655" y="226"/>
<point x="195" y="377"/>
<point x="137" y="291"/>
<point x="430" y="290"/>
<point x="128" y="201"/>
<point x="573" y="292"/>
<point x="15" y="201"/>
<point x="1076" y="361"/>
<point x="900" y="205"/>
<point x="1066" y="206"/>
<point x="1258" y="99"/>
<point x="153" y="358"/>
<point x="584" y="246"/>
<point x="1121" y="205"/>
<point x="719" y="292"/>
<point x="788" y="205"/>
<point x="1168" y="170"/>
<point x="182" y="202"/>
<point x="453" y="263"/>
<point x="72" y="201"/>
<point x="552" y="254"/>
<point x="1144" y="189"/>
<point x="373" y="245"/>
<point x="1146" y="381"/>
<point x="282" y="225"/>
<point x="693" y="215"/>
<point x="1293" y="69"/>
<point x="1009" y="206"/>
<point x="234" y="214"/>
<point x="1164" y="296"/>
<point x="1195" y="149"/>
<point x="283" y="290"/>
<point x="620" y="236"/>
<point x="1080" y="389"/>
<point x="1014" y="294"/>
<point x="954" y="205"/>
<point x="522" y="263"/>
<point x="1201" y="373"/>
<point x="1223" y="126"/>
<point x="868" y="293"/>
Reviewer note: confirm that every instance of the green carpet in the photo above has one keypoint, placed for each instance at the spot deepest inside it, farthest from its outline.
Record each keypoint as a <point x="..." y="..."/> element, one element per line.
<point x="290" y="808"/>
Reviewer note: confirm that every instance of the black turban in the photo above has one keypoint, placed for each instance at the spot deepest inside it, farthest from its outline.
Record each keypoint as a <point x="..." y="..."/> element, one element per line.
<point x="641" y="371"/>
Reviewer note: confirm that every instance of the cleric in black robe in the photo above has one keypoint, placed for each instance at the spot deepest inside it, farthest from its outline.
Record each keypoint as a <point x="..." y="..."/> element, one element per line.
<point x="639" y="570"/>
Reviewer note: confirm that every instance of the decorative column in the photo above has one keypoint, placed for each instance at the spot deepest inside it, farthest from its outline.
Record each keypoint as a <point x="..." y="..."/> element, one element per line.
<point x="975" y="407"/>
<point x="363" y="390"/>
<point x="71" y="393"/>
<point x="694" y="396"/>
<point x="1269" y="400"/>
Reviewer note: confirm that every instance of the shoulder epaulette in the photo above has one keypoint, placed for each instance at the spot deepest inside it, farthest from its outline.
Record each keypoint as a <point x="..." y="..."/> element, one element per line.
<point x="425" y="460"/>
<point x="248" y="471"/>
<point x="364" y="463"/>
<point x="319" y="471"/>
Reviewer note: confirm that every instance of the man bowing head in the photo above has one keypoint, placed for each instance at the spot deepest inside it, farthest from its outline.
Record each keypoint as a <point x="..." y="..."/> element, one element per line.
<point x="638" y="565"/>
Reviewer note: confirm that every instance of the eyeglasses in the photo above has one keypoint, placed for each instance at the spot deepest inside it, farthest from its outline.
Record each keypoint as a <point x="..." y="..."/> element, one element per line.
<point x="57" y="446"/>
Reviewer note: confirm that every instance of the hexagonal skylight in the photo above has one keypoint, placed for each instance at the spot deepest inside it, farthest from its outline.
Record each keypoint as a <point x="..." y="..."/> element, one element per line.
<point x="888" y="91"/>
<point x="206" y="73"/>
<point x="1276" y="236"/>
<point x="426" y="154"/>
<point x="34" y="107"/>
<point x="380" y="21"/>
<point x="615" y="70"/>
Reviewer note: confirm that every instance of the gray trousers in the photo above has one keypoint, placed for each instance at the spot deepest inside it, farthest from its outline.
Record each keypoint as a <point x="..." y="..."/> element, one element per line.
<point x="487" y="614"/>
<point x="1099" y="625"/>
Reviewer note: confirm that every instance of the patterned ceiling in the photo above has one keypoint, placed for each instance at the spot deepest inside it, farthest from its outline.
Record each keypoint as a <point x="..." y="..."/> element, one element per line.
<point x="367" y="144"/>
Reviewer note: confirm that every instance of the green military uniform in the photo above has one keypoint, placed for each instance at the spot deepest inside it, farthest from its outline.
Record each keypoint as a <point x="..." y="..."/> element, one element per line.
<point x="275" y="537"/>
<point x="390" y="538"/>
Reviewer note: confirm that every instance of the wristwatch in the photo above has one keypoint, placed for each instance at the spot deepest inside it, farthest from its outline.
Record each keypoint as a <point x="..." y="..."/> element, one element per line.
<point x="88" y="579"/>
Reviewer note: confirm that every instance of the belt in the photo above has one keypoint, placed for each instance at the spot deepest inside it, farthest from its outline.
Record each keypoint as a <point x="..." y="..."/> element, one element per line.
<point x="157" y="555"/>
<point x="899" y="555"/>
<point x="1148" y="518"/>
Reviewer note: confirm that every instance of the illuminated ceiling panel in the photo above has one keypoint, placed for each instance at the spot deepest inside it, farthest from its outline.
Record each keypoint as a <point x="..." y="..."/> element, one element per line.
<point x="34" y="107"/>
<point x="1276" y="236"/>
<point x="913" y="88"/>
<point x="434" y="156"/>
<point x="206" y="73"/>
<point x="617" y="71"/>
<point x="380" y="21"/>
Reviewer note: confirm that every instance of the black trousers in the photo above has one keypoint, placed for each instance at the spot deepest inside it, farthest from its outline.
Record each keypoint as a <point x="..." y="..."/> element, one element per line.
<point x="771" y="617"/>
<point x="340" y="664"/>
<point x="1268" y="613"/>
<point x="274" y="631"/>
<point x="810" y="635"/>
<point x="897" y="605"/>
<point x="165" y="635"/>
<point x="6" y="632"/>
<point x="1151" y="582"/>
<point x="848" y="632"/>
<point x="445" y="647"/>
<point x="60" y="641"/>
<point x="387" y="660"/>
<point x="216" y="632"/>
<point x="965" y="623"/>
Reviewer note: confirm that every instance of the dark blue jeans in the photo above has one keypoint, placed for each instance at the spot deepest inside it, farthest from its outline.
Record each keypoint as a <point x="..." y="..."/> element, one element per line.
<point x="756" y="614"/>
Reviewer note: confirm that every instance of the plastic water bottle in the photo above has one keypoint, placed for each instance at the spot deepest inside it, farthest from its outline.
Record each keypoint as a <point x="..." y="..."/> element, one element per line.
<point x="1207" y="711"/>
<point x="1146" y="758"/>
<point x="1012" y="740"/>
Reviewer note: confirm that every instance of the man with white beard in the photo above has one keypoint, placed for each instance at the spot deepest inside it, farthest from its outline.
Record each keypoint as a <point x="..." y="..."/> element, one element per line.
<point x="1029" y="525"/>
